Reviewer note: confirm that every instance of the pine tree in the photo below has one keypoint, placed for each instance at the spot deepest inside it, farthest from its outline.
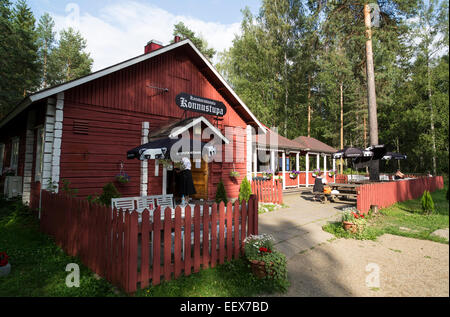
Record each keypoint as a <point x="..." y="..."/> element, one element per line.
<point x="46" y="42"/>
<point x="69" y="60"/>
<point x="245" y="190"/>
<point x="221" y="194"/>
<point x="27" y="67"/>
<point x="8" y="95"/>
<point x="184" y="32"/>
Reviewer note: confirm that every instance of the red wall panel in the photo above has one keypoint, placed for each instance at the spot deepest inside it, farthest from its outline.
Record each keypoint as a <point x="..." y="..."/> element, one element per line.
<point x="114" y="107"/>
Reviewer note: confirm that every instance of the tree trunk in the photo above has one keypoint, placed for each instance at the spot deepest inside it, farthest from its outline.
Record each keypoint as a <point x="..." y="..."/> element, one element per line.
<point x="286" y="96"/>
<point x="309" y="106"/>
<point x="371" y="93"/>
<point x="430" y="101"/>
<point x="341" y="86"/>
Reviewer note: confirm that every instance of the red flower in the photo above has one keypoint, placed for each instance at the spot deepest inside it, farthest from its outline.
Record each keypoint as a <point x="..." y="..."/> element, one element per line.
<point x="263" y="249"/>
<point x="3" y="259"/>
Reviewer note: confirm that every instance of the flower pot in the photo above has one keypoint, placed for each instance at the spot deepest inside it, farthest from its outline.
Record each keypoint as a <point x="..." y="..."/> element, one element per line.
<point x="293" y="176"/>
<point x="5" y="270"/>
<point x="259" y="268"/>
<point x="349" y="226"/>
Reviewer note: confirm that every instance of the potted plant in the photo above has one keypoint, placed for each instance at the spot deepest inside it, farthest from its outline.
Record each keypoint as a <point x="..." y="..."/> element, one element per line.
<point x="267" y="175"/>
<point x="316" y="172"/>
<point x="354" y="221"/>
<point x="5" y="266"/>
<point x="123" y="178"/>
<point x="294" y="174"/>
<point x="265" y="262"/>
<point x="234" y="174"/>
<point x="331" y="173"/>
<point x="9" y="172"/>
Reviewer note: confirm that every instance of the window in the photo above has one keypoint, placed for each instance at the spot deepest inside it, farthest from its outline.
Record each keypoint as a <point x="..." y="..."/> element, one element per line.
<point x="15" y="154"/>
<point x="2" y="157"/>
<point x="39" y="154"/>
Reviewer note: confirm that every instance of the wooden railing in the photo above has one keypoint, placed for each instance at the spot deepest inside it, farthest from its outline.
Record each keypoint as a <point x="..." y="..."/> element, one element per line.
<point x="268" y="191"/>
<point x="130" y="248"/>
<point x="388" y="193"/>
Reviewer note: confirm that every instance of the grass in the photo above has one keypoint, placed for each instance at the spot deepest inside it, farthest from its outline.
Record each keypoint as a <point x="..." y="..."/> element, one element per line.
<point x="38" y="268"/>
<point x="404" y="219"/>
<point x="37" y="264"/>
<point x="232" y="279"/>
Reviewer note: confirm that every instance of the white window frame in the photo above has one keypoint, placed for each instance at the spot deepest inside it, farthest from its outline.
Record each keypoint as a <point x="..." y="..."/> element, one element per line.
<point x="15" y="145"/>
<point x="39" y="162"/>
<point x="2" y="157"/>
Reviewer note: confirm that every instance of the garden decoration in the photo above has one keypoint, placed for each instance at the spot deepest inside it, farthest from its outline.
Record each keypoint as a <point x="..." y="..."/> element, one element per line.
<point x="264" y="260"/>
<point x="354" y="222"/>
<point x="5" y="266"/>
<point x="294" y="174"/>
<point x="122" y="177"/>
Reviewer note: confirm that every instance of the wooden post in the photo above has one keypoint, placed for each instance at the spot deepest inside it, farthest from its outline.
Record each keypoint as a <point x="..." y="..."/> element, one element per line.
<point x="307" y="169"/>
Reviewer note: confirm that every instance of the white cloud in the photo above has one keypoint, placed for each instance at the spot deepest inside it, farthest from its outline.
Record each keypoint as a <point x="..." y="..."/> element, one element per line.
<point x="120" y="31"/>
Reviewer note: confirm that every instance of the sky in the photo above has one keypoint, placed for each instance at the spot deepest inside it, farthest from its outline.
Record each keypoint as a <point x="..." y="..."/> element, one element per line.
<point x="118" y="30"/>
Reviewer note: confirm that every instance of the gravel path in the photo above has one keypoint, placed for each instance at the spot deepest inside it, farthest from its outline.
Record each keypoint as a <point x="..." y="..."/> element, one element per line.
<point x="407" y="267"/>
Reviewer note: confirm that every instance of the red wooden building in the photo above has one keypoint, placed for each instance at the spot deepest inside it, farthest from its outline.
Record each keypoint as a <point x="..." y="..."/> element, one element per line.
<point x="81" y="130"/>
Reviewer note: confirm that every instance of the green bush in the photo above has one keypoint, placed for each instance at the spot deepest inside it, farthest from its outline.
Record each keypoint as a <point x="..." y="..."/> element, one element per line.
<point x="66" y="188"/>
<point x="109" y="192"/>
<point x="245" y="190"/>
<point x="427" y="202"/>
<point x="221" y="194"/>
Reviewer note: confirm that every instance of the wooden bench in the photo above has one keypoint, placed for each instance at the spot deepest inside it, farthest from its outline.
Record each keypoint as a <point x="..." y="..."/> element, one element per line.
<point x="326" y="198"/>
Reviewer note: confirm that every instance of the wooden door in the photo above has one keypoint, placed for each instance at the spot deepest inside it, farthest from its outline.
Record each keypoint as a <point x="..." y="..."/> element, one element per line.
<point x="200" y="178"/>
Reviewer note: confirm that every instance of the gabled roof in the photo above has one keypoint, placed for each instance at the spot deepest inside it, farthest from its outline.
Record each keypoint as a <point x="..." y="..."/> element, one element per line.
<point x="172" y="130"/>
<point x="194" y="53"/>
<point x="314" y="145"/>
<point x="267" y="141"/>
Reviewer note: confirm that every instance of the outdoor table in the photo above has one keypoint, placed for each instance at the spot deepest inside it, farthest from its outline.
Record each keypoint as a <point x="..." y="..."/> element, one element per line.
<point x="345" y="190"/>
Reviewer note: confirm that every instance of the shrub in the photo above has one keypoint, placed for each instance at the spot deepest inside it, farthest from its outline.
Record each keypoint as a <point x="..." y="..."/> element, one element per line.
<point x="245" y="190"/>
<point x="109" y="192"/>
<point x="221" y="194"/>
<point x="427" y="202"/>
<point x="66" y="188"/>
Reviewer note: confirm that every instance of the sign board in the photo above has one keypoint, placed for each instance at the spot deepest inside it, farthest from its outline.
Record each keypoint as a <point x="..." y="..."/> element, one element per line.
<point x="201" y="105"/>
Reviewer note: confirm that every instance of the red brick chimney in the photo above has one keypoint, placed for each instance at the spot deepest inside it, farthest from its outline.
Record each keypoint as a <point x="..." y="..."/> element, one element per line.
<point x="153" y="46"/>
<point x="177" y="39"/>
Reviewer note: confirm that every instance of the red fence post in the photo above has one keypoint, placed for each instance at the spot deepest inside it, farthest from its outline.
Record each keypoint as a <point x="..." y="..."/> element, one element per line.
<point x="197" y="239"/>
<point x="205" y="247"/>
<point x="214" y="235"/>
<point x="145" y="252"/>
<point x="221" y="232"/>
<point x="177" y="243"/>
<point x="167" y="243"/>
<point x="156" y="274"/>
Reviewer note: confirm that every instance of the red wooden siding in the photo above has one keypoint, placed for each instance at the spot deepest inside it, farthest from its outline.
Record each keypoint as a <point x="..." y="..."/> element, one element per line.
<point x="113" y="109"/>
<point x="386" y="194"/>
<point x="107" y="241"/>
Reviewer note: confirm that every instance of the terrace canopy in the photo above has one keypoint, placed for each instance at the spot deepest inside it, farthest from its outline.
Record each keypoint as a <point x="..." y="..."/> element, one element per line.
<point x="161" y="149"/>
